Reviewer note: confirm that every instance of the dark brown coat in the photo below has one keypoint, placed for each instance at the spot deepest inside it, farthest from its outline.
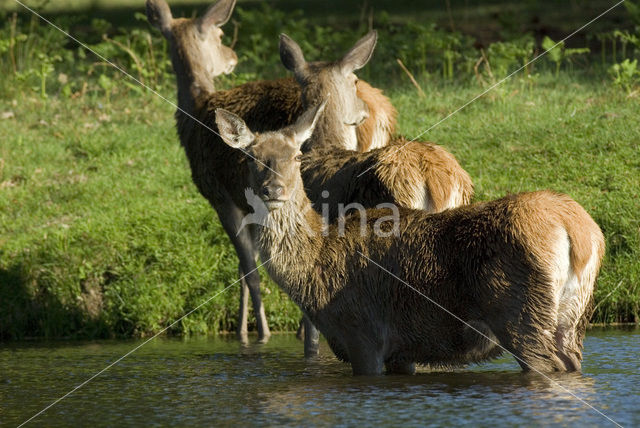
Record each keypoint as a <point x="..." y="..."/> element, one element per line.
<point x="449" y="288"/>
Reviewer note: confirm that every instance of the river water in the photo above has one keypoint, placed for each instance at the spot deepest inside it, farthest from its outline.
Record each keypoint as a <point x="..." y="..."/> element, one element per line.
<point x="217" y="381"/>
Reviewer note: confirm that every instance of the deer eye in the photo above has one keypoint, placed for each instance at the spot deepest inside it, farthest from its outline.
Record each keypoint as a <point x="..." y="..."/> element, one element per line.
<point x="298" y="157"/>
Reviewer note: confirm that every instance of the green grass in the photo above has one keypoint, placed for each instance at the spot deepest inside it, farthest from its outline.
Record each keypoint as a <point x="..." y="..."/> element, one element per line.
<point x="102" y="232"/>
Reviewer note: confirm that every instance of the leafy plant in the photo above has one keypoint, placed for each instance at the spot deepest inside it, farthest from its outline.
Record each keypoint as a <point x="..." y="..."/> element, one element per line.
<point x="107" y="85"/>
<point x="559" y="54"/>
<point x="633" y="8"/>
<point x="504" y="56"/>
<point x="428" y="49"/>
<point x="626" y="38"/>
<point x="625" y="74"/>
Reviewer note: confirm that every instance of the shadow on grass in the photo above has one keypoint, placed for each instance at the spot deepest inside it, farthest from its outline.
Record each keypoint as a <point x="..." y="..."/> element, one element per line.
<point x="29" y="311"/>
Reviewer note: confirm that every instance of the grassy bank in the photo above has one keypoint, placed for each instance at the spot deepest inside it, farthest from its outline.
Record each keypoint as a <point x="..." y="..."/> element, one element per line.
<point x="102" y="232"/>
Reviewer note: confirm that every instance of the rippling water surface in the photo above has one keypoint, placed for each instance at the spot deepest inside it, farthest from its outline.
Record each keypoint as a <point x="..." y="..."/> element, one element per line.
<point x="217" y="381"/>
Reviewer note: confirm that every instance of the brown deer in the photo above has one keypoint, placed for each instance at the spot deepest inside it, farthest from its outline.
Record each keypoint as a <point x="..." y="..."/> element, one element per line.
<point x="221" y="174"/>
<point x="377" y="130"/>
<point x="421" y="175"/>
<point x="197" y="56"/>
<point x="412" y="174"/>
<point x="449" y="288"/>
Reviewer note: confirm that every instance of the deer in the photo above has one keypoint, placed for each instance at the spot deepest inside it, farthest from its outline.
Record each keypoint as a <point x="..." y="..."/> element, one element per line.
<point x="198" y="56"/>
<point x="515" y="274"/>
<point x="221" y="173"/>
<point x="412" y="174"/>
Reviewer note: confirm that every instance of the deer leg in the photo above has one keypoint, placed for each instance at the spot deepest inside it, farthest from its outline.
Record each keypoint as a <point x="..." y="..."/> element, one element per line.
<point x="537" y="352"/>
<point x="539" y="363"/>
<point x="252" y="279"/>
<point x="311" y="338"/>
<point x="243" y="311"/>
<point x="366" y="365"/>
<point x="569" y="350"/>
<point x="365" y="357"/>
<point x="300" y="331"/>
<point x="231" y="219"/>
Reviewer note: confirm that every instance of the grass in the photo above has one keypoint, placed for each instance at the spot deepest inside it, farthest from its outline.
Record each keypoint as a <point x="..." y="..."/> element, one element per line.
<point x="102" y="232"/>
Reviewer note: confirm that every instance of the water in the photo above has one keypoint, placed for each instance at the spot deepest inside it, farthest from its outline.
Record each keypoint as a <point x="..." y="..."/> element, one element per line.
<point x="217" y="381"/>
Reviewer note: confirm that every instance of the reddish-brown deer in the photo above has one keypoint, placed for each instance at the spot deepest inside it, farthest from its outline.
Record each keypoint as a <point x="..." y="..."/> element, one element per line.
<point x="449" y="288"/>
<point x="418" y="174"/>
<point x="221" y="173"/>
<point x="410" y="174"/>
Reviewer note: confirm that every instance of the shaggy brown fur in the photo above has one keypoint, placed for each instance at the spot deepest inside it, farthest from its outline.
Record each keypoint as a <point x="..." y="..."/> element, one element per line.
<point x="508" y="268"/>
<point x="420" y="175"/>
<point x="411" y="174"/>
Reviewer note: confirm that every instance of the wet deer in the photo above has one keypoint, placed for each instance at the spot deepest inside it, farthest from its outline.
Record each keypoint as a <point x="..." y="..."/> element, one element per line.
<point x="221" y="174"/>
<point x="516" y="273"/>
<point x="198" y="55"/>
<point x="410" y="174"/>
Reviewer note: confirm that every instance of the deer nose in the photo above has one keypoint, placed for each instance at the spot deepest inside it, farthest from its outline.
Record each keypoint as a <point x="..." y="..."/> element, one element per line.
<point x="363" y="117"/>
<point x="364" y="112"/>
<point x="272" y="191"/>
<point x="232" y="61"/>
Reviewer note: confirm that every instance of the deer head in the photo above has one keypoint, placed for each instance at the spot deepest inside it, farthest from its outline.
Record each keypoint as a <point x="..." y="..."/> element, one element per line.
<point x="197" y="52"/>
<point x="274" y="166"/>
<point x="336" y="80"/>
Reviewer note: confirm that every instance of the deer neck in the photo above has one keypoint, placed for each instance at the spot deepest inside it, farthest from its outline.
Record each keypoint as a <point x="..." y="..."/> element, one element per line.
<point x="331" y="130"/>
<point x="291" y="241"/>
<point x="193" y="85"/>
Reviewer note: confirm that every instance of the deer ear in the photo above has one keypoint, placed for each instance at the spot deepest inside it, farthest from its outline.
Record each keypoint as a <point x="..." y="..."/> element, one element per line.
<point x="217" y="15"/>
<point x="306" y="123"/>
<point x="233" y="130"/>
<point x="360" y="53"/>
<point x="291" y="55"/>
<point x="159" y="15"/>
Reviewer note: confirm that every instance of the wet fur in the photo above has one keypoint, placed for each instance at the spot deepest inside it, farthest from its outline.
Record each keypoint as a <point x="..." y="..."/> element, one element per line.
<point x="487" y="263"/>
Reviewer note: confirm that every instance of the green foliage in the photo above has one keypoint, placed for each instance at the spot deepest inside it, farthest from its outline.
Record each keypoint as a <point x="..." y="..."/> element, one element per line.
<point x="34" y="55"/>
<point x="426" y="48"/>
<point x="102" y="232"/>
<point x="258" y="51"/>
<point x="625" y="74"/>
<point x="559" y="54"/>
<point x="624" y="38"/>
<point x="505" y="57"/>
<point x="633" y="9"/>
<point x="627" y="38"/>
